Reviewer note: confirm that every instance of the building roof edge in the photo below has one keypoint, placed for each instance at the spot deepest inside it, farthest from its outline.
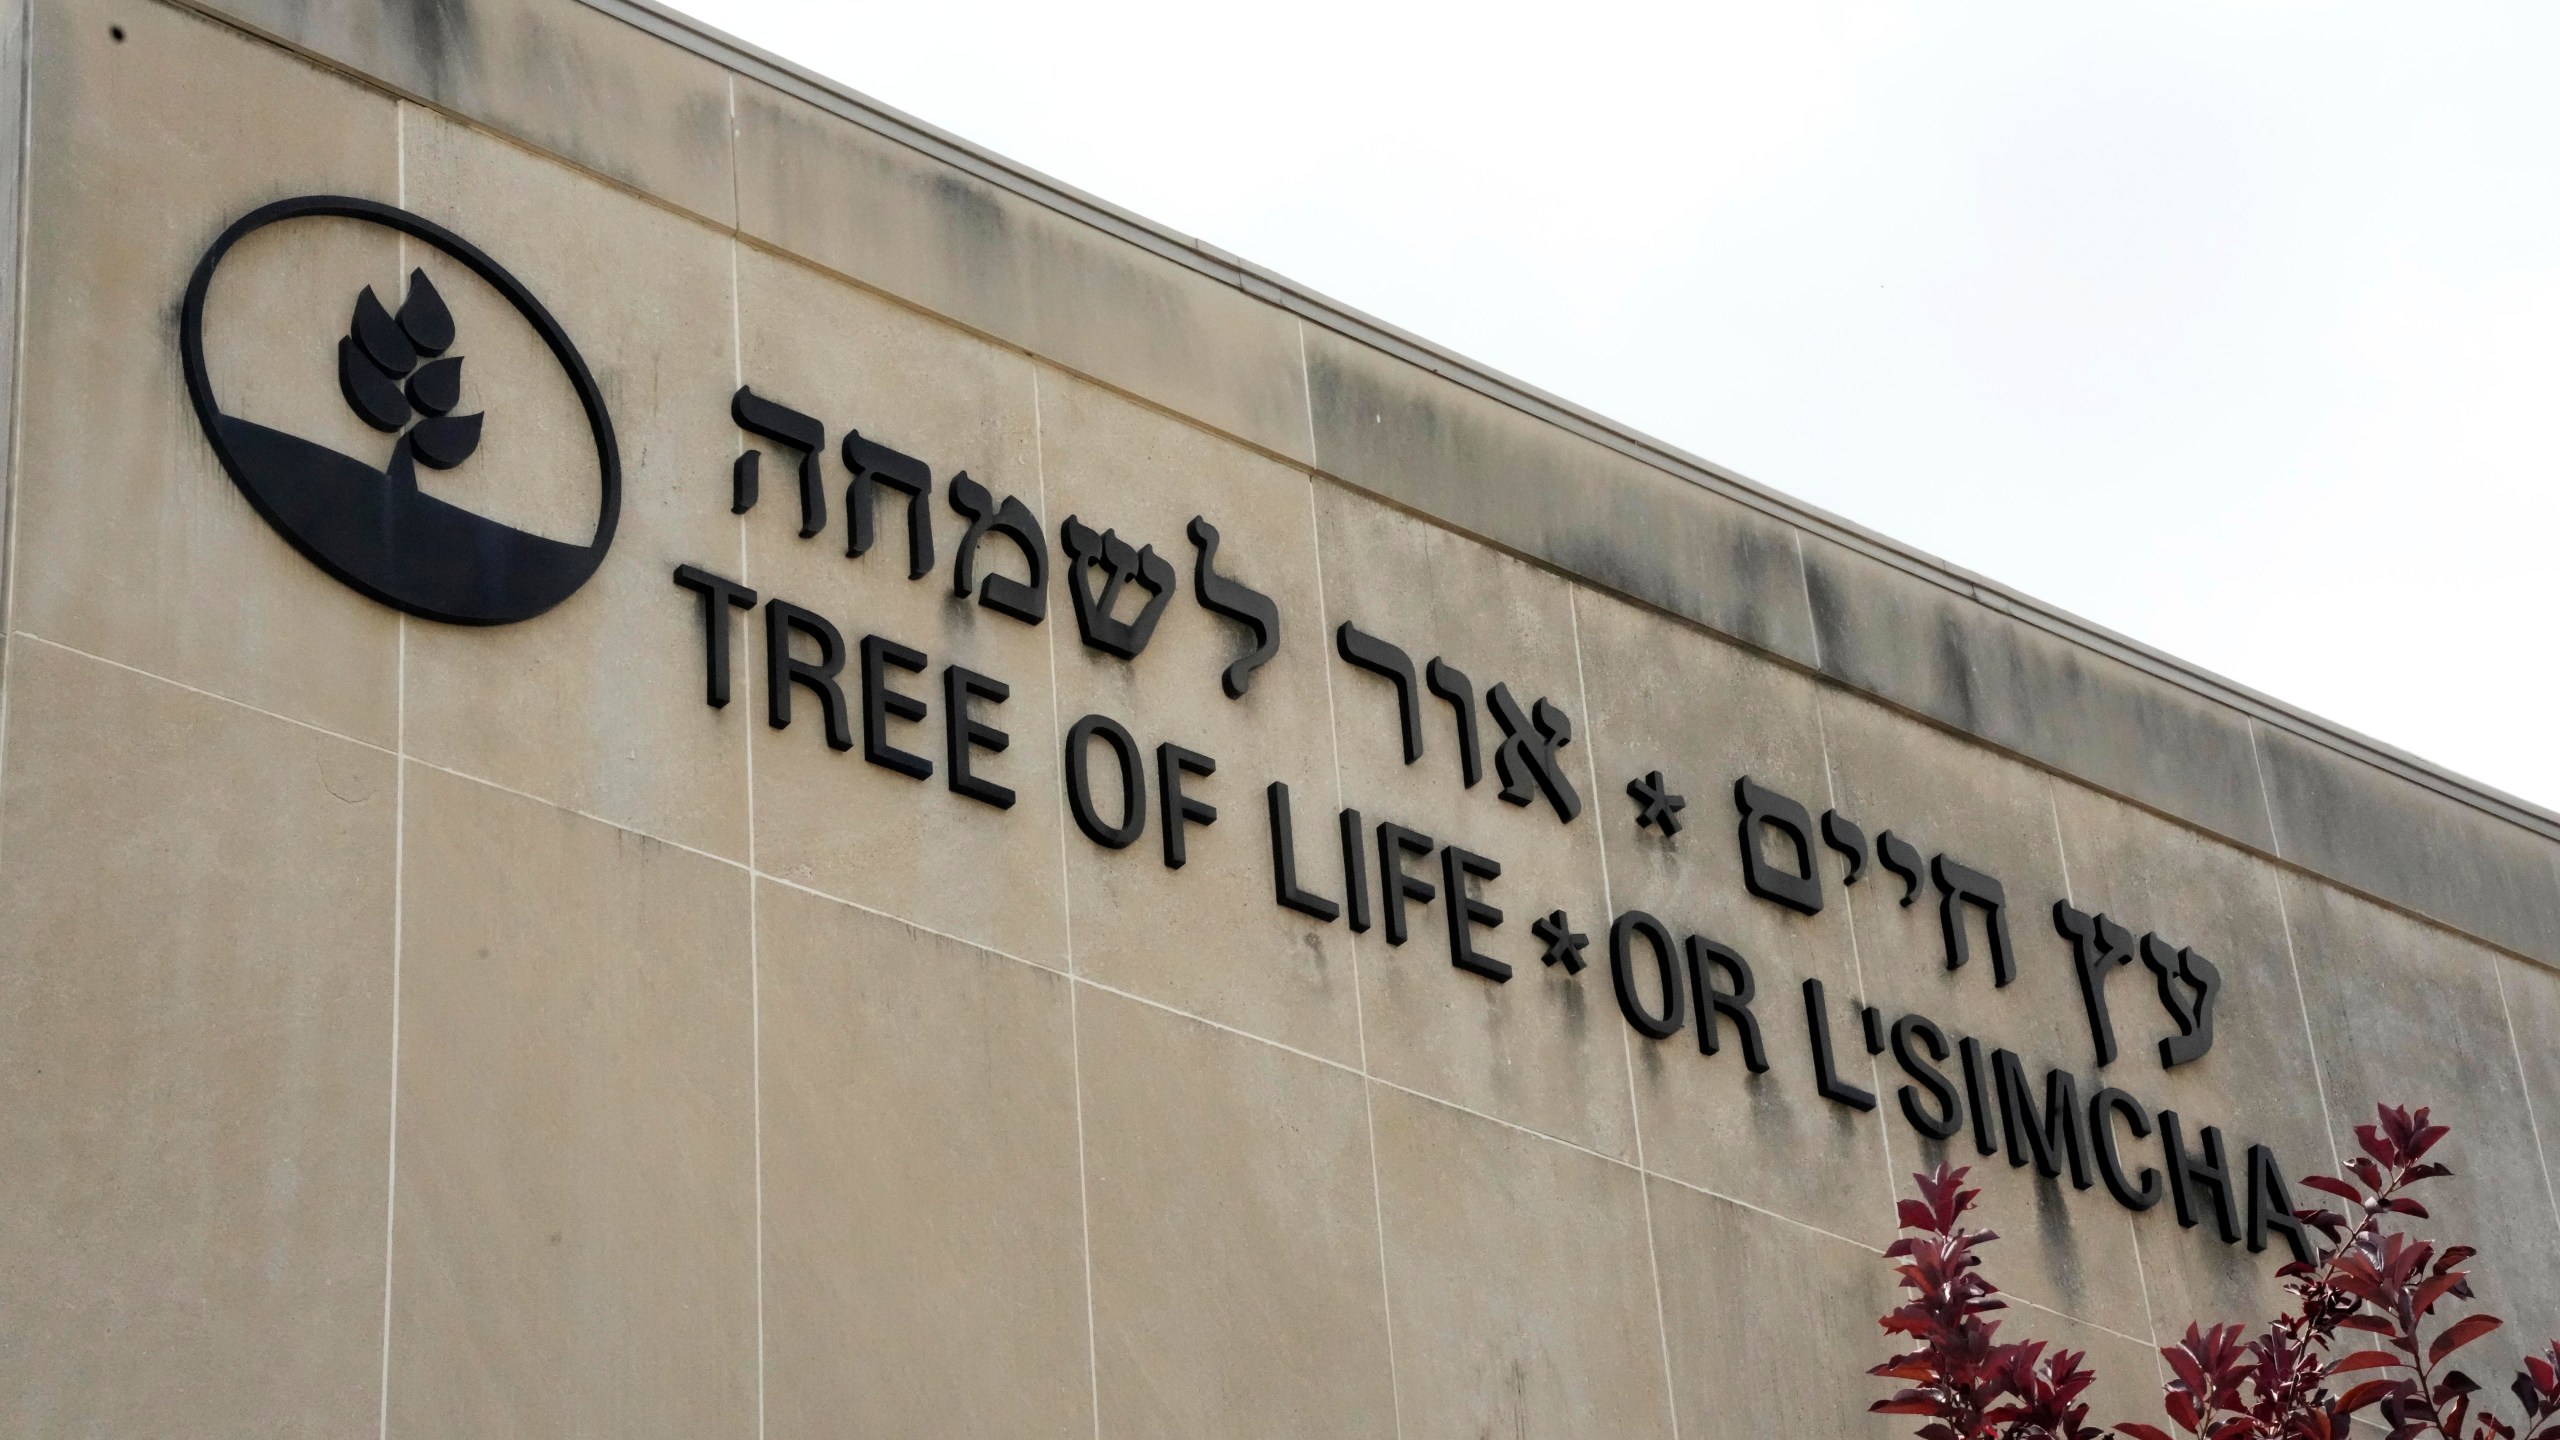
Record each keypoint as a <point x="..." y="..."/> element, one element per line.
<point x="1316" y="308"/>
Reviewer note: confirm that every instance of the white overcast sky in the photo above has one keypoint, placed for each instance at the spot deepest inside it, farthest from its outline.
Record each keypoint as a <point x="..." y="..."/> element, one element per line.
<point x="2234" y="327"/>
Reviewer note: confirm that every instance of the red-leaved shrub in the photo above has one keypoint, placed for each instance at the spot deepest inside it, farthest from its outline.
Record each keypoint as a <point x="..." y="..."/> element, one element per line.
<point x="2367" y="1280"/>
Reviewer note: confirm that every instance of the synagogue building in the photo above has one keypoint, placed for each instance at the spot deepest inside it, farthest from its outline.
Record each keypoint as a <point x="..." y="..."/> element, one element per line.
<point x="680" y="758"/>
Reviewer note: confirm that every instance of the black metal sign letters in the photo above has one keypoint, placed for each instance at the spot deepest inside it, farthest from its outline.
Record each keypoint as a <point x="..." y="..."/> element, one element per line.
<point x="1382" y="873"/>
<point x="871" y="697"/>
<point x="400" y="367"/>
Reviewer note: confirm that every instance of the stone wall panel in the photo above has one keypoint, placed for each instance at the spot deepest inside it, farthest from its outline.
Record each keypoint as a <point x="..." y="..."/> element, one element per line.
<point x="1518" y="1281"/>
<point x="923" y="1227"/>
<point x="1540" y="1049"/>
<point x="1207" y="938"/>
<point x="828" y="818"/>
<point x="2404" y="1013"/>
<point x="195" y="1038"/>
<point x="574" y="1222"/>
<point x="1706" y="714"/>
<point x="131" y="542"/>
<point x="1235" y="1233"/>
<point x="2341" y="818"/>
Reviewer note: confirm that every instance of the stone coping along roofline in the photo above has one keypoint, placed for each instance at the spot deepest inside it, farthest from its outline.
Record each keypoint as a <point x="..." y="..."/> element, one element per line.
<point x="706" y="123"/>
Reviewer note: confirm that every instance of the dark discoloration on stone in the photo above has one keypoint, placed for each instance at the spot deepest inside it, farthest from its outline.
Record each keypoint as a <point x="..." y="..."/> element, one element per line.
<point x="563" y="78"/>
<point x="1926" y="649"/>
<point x="816" y="186"/>
<point x="1962" y="702"/>
<point x="840" y="195"/>
<point x="2427" y="852"/>
<point x="1553" y="496"/>
<point x="1471" y="463"/>
<point x="439" y="36"/>
<point x="970" y="209"/>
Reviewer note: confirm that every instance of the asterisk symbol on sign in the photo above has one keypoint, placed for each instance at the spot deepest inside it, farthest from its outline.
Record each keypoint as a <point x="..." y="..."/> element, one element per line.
<point x="1564" y="943"/>
<point x="1655" y="804"/>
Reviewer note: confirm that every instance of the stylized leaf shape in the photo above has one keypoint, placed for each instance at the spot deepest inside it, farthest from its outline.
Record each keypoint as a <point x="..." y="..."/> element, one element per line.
<point x="445" y="441"/>
<point x="423" y="316"/>
<point x="436" y="387"/>
<point x="374" y="396"/>
<point x="382" y="339"/>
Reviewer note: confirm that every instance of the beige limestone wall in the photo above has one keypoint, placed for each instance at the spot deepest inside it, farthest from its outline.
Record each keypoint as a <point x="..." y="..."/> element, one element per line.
<point x="430" y="1031"/>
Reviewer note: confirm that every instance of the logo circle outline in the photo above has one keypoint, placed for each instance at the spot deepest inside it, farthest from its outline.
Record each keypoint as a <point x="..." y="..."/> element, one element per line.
<point x="347" y="207"/>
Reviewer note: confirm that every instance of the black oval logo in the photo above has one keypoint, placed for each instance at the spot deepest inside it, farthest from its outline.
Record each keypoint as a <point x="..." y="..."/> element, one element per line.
<point x="372" y="527"/>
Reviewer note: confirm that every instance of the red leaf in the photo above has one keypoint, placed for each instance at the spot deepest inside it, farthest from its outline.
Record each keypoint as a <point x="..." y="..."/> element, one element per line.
<point x="2141" y="1431"/>
<point x="2190" y="1374"/>
<point x="2460" y="1333"/>
<point x="2334" y="1186"/>
<point x="2365" y="1360"/>
<point x="2365" y="1394"/>
<point x="2429" y="1293"/>
<point x="2375" y="1146"/>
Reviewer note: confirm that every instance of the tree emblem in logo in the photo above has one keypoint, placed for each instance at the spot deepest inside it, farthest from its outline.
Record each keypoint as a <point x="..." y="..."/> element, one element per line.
<point x="372" y="527"/>
<point x="380" y="353"/>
